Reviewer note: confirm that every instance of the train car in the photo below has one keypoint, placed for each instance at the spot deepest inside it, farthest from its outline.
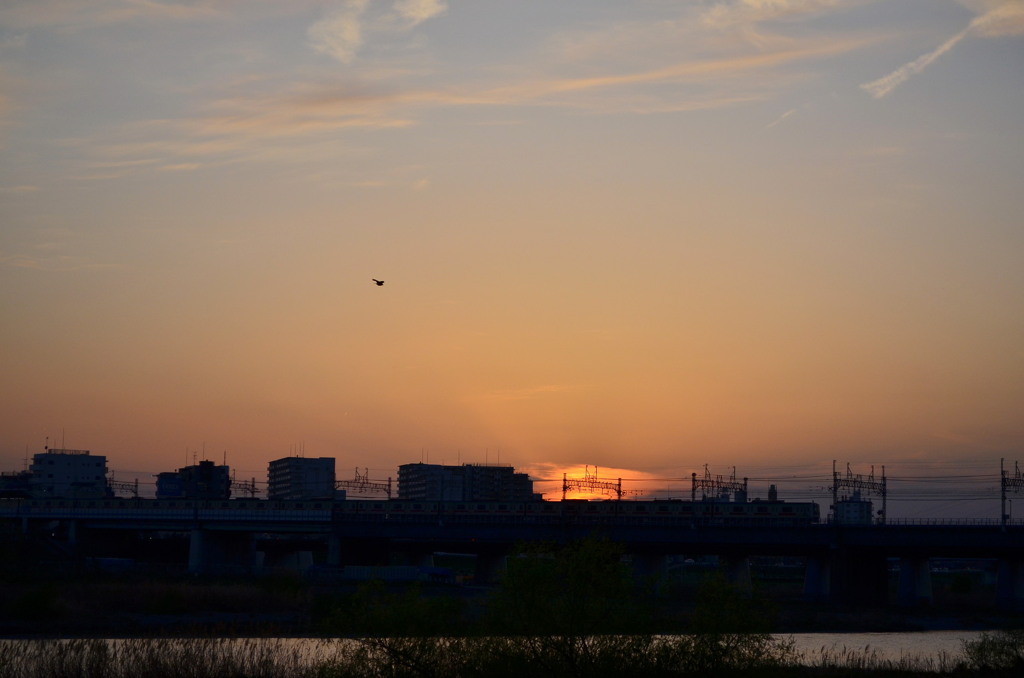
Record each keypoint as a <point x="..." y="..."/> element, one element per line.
<point x="655" y="512"/>
<point x="576" y="511"/>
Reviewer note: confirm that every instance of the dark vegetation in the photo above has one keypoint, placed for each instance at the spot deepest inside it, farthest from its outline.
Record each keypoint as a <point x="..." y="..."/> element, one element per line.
<point x="569" y="611"/>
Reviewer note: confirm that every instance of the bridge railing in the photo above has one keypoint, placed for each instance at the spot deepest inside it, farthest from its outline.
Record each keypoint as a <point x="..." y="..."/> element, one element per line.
<point x="937" y="522"/>
<point x="167" y="510"/>
<point x="967" y="522"/>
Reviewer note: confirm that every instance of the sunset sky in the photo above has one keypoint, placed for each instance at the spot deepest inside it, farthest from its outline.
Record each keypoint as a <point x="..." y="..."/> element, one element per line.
<point x="646" y="235"/>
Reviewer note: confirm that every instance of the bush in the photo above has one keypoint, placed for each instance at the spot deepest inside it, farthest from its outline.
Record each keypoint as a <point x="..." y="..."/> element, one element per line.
<point x="581" y="589"/>
<point x="376" y="609"/>
<point x="1002" y="652"/>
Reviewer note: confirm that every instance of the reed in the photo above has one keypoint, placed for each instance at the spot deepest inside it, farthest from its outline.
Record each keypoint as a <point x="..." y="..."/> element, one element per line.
<point x="867" y="661"/>
<point x="599" y="656"/>
<point x="167" y="658"/>
<point x="448" y="657"/>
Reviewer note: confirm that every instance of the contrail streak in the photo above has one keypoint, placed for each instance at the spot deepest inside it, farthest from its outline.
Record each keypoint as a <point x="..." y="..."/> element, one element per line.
<point x="879" y="88"/>
<point x="1006" y="19"/>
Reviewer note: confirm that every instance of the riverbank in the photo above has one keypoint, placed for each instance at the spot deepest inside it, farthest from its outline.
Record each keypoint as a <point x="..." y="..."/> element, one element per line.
<point x="134" y="606"/>
<point x="996" y="655"/>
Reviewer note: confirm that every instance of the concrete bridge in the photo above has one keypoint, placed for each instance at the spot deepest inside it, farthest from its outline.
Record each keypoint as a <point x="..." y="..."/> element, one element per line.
<point x="843" y="563"/>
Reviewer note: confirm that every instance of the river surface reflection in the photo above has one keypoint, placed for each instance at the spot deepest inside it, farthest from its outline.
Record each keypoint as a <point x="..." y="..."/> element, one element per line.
<point x="885" y="646"/>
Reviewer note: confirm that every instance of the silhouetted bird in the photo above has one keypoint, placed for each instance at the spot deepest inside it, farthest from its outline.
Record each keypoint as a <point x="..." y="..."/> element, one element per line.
<point x="379" y="282"/>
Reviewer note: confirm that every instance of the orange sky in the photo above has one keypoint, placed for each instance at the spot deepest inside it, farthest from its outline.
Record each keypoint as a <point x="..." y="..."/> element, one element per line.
<point x="645" y="236"/>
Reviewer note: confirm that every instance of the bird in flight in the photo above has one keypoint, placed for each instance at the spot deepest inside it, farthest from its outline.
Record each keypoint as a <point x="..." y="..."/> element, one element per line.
<point x="379" y="282"/>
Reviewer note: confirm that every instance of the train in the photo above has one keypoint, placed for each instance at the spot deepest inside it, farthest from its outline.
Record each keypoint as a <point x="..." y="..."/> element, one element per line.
<point x="683" y="513"/>
<point x="667" y="512"/>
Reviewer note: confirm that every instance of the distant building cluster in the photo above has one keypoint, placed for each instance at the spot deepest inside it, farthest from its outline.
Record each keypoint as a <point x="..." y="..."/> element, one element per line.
<point x="468" y="482"/>
<point x="204" y="480"/>
<point x="59" y="473"/>
<point x="79" y="474"/>
<point x="301" y="478"/>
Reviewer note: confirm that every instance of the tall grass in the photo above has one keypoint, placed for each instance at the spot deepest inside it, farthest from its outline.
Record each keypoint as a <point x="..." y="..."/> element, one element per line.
<point x="994" y="655"/>
<point x="403" y="657"/>
<point x="166" y="658"/>
<point x="612" y="656"/>
<point x="867" y="660"/>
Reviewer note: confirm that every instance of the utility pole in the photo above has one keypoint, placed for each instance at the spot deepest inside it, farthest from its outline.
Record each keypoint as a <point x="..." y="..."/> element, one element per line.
<point x="591" y="483"/>
<point x="858" y="483"/>
<point x="716" y="485"/>
<point x="1008" y="482"/>
<point x="363" y="485"/>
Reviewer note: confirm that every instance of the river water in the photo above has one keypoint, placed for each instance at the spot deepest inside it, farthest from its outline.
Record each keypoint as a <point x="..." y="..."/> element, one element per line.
<point x="925" y="645"/>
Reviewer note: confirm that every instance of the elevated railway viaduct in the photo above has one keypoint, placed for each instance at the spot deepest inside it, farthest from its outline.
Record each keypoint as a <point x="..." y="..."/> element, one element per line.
<point x="842" y="562"/>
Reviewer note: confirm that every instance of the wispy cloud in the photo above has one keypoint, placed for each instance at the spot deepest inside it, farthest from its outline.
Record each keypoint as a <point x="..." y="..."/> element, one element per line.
<point x="714" y="70"/>
<point x="82" y="14"/>
<point x="342" y="33"/>
<point x="258" y="123"/>
<point x="884" y="85"/>
<point x="55" y="263"/>
<point x="1005" y="19"/>
<point x="1002" y="20"/>
<point x="739" y="12"/>
<point x="367" y="106"/>
<point x="779" y="119"/>
<point x="418" y="11"/>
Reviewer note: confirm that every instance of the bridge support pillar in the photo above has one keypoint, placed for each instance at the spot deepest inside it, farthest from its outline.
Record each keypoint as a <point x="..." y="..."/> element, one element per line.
<point x="234" y="550"/>
<point x="1010" y="584"/>
<point x="817" y="578"/>
<point x="197" y="551"/>
<point x="737" y="571"/>
<point x="858" y="577"/>
<point x="334" y="551"/>
<point x="649" y="566"/>
<point x="490" y="567"/>
<point x="915" y="586"/>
